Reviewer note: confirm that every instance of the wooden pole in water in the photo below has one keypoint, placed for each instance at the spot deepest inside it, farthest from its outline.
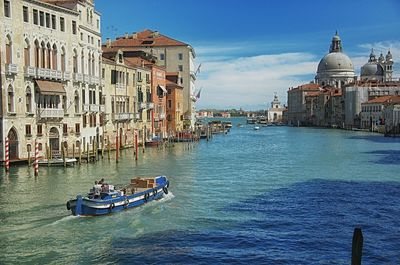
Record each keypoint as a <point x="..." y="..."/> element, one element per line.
<point x="143" y="141"/>
<point x="116" y="148"/>
<point x="136" y="145"/>
<point x="63" y="156"/>
<point x="7" y="155"/>
<point x="87" y="152"/>
<point x="73" y="150"/>
<point x="80" y="152"/>
<point x="36" y="159"/>
<point x="29" y="156"/>
<point x="102" y="147"/>
<point x="48" y="154"/>
<point x="108" y="147"/>
<point x="356" y="250"/>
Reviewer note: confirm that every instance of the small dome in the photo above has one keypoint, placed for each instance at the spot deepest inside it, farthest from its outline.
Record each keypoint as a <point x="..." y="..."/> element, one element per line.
<point x="335" y="61"/>
<point x="371" y="69"/>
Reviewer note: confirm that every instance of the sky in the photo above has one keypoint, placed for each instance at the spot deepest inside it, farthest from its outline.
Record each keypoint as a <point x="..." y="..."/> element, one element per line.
<point x="251" y="50"/>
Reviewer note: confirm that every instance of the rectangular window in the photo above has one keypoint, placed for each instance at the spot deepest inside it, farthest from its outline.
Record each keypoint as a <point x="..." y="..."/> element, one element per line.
<point x="113" y="77"/>
<point x="41" y="18"/>
<point x="77" y="128"/>
<point x="65" y="128"/>
<point x="139" y="76"/>
<point x="169" y="104"/>
<point x="103" y="72"/>
<point x="53" y="22"/>
<point x="25" y="13"/>
<point x="62" y="24"/>
<point x="74" y="27"/>
<point x="98" y="24"/>
<point x="84" y="121"/>
<point x="180" y="67"/>
<point x="39" y="129"/>
<point x="7" y="10"/>
<point x="28" y="131"/>
<point x="162" y="56"/>
<point x="35" y="17"/>
<point x="47" y="20"/>
<point x="81" y="36"/>
<point x="180" y="56"/>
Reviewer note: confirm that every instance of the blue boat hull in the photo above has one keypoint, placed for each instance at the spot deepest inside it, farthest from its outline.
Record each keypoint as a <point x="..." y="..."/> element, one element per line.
<point x="92" y="207"/>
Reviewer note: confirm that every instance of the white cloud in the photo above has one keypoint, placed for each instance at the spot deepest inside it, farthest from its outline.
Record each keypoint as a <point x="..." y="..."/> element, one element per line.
<point x="252" y="81"/>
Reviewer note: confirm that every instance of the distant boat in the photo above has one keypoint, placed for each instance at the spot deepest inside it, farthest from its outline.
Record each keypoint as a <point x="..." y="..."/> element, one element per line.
<point x="251" y="120"/>
<point x="256" y="127"/>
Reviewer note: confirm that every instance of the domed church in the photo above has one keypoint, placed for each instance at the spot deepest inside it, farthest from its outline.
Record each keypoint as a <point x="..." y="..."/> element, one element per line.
<point x="377" y="69"/>
<point x="335" y="69"/>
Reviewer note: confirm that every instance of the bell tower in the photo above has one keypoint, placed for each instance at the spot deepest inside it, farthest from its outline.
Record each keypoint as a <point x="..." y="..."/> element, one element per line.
<point x="389" y="67"/>
<point x="336" y="45"/>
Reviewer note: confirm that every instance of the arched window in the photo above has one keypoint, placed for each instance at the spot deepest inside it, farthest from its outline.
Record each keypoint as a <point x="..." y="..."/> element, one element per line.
<point x="89" y="64"/>
<point x="8" y="50"/>
<point x="82" y="63"/>
<point x="48" y="56"/>
<point x="63" y="59"/>
<point x="28" y="99"/>
<point x="27" y="53"/>
<point x="10" y="99"/>
<point x="37" y="54"/>
<point x="75" y="62"/>
<point x="43" y="53"/>
<point x="54" y="57"/>
<point x="76" y="100"/>
<point x="100" y="75"/>
<point x="93" y="65"/>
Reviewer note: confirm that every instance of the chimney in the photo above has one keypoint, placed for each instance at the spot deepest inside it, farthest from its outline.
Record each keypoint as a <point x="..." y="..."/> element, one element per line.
<point x="134" y="35"/>
<point x="108" y="43"/>
<point x="126" y="35"/>
<point x="156" y="34"/>
<point x="142" y="63"/>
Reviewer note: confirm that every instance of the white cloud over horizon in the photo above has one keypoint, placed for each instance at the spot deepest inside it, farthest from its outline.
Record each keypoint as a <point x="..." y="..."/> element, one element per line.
<point x="250" y="82"/>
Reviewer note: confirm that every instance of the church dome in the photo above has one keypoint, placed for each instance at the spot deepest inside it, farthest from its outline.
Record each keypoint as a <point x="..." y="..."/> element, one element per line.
<point x="371" y="69"/>
<point x="335" y="61"/>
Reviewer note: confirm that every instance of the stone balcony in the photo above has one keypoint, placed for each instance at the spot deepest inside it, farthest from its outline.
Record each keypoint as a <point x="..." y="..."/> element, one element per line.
<point x="142" y="105"/>
<point x="44" y="73"/>
<point x="77" y="77"/>
<point x="11" y="69"/>
<point x="150" y="105"/>
<point x="30" y="71"/>
<point x="94" y="107"/>
<point x="86" y="108"/>
<point x="123" y="116"/>
<point x="47" y="113"/>
<point x="102" y="108"/>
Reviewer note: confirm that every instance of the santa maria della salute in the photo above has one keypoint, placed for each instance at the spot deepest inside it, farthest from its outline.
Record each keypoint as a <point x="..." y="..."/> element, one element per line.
<point x="338" y="98"/>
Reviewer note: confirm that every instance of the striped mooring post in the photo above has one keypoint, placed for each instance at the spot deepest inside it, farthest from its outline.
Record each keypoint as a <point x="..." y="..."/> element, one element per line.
<point x="36" y="159"/>
<point x="7" y="155"/>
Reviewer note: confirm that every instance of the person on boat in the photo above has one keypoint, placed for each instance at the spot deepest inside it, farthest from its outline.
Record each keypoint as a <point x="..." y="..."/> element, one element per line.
<point x="96" y="190"/>
<point x="101" y="181"/>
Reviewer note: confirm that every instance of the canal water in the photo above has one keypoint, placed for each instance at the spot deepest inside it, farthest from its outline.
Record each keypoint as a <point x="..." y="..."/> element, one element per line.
<point x="278" y="195"/>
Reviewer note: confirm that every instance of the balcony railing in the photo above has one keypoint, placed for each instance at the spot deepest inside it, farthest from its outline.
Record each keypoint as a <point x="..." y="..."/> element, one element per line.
<point x="87" y="79"/>
<point x="120" y="86"/>
<point x="95" y="80"/>
<point x="77" y="77"/>
<point x="50" y="113"/>
<point x="30" y="71"/>
<point x="85" y="108"/>
<point x="11" y="69"/>
<point x="44" y="73"/>
<point x="123" y="116"/>
<point x="67" y="76"/>
<point x="94" y="107"/>
<point x="142" y="105"/>
<point x="137" y="116"/>
<point x="150" y="105"/>
<point x="102" y="108"/>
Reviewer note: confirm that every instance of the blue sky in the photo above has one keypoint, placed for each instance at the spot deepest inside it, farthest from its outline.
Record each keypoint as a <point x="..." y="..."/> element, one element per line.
<point x="250" y="50"/>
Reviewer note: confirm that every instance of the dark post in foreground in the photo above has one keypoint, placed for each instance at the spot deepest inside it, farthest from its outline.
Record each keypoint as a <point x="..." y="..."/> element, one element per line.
<point x="356" y="250"/>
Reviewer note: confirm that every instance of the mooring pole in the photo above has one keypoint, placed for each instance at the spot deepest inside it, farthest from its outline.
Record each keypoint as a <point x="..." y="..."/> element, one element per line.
<point x="356" y="251"/>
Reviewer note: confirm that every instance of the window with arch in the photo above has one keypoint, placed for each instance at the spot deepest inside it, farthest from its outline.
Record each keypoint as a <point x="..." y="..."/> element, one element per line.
<point x="43" y="53"/>
<point x="28" y="99"/>
<point x="89" y="64"/>
<point x="75" y="62"/>
<point x="10" y="99"/>
<point x="40" y="146"/>
<point x="54" y="57"/>
<point x="63" y="59"/>
<point x="37" y="54"/>
<point x="48" y="55"/>
<point x="27" y="53"/>
<point x="93" y="64"/>
<point x="8" y="50"/>
<point x="82" y="63"/>
<point x="76" y="100"/>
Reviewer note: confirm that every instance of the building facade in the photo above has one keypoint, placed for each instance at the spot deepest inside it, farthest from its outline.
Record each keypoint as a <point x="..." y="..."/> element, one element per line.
<point x="274" y="113"/>
<point x="173" y="55"/>
<point x="51" y="82"/>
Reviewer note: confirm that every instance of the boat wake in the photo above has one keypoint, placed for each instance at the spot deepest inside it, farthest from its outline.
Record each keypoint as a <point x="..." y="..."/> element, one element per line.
<point x="167" y="197"/>
<point x="64" y="219"/>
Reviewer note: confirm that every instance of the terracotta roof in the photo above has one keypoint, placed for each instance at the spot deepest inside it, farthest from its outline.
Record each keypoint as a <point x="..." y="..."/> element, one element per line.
<point x="310" y="86"/>
<point x="170" y="83"/>
<point x="146" y="38"/>
<point x="136" y="61"/>
<point x="384" y="99"/>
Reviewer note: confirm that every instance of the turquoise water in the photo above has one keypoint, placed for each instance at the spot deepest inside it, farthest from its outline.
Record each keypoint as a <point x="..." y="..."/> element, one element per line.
<point x="279" y="195"/>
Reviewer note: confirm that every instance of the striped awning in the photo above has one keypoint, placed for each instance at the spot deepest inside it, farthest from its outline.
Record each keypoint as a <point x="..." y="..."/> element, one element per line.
<point x="50" y="87"/>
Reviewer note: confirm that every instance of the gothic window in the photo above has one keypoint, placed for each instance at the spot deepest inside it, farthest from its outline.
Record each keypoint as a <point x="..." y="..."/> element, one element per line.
<point x="27" y="53"/>
<point x="10" y="99"/>
<point x="37" y="54"/>
<point x="54" y="57"/>
<point x="28" y="99"/>
<point x="63" y="59"/>
<point x="75" y="62"/>
<point x="8" y="50"/>
<point x="76" y="100"/>
<point x="48" y="55"/>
